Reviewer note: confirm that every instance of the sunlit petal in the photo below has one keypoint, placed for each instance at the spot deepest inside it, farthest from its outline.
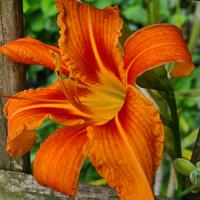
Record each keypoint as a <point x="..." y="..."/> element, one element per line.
<point x="26" y="115"/>
<point x="127" y="150"/>
<point x="59" y="167"/>
<point x="89" y="40"/>
<point x="31" y="51"/>
<point x="153" y="46"/>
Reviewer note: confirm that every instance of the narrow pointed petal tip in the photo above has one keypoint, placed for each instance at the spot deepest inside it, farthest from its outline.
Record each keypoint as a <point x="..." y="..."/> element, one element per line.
<point x="30" y="51"/>
<point x="127" y="150"/>
<point x="183" y="69"/>
<point x="153" y="46"/>
<point x="60" y="158"/>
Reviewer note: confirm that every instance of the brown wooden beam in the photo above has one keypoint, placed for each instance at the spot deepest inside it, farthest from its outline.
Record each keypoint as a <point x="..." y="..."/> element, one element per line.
<point x="12" y="75"/>
<point x="16" y="185"/>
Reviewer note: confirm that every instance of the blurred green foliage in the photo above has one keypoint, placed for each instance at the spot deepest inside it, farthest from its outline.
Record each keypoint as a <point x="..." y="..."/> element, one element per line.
<point x="40" y="20"/>
<point x="41" y="23"/>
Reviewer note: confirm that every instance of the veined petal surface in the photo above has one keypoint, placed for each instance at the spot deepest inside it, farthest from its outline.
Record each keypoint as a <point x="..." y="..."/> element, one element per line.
<point x="59" y="159"/>
<point x="153" y="46"/>
<point x="31" y="51"/>
<point x="127" y="150"/>
<point x="26" y="115"/>
<point x="89" y="40"/>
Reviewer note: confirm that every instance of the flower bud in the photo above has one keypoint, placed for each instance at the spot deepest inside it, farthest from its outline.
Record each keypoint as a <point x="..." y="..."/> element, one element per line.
<point x="183" y="166"/>
<point x="195" y="177"/>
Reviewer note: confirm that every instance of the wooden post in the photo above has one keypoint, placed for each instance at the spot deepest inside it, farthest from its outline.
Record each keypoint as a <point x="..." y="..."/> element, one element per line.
<point x="12" y="75"/>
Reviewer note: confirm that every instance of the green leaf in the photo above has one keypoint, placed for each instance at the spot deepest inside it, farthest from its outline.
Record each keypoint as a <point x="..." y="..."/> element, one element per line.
<point x="187" y="154"/>
<point x="33" y="71"/>
<point x="50" y="25"/>
<point x="37" y="23"/>
<point x="195" y="58"/>
<point x="26" y="6"/>
<point x="164" y="10"/>
<point x="34" y="5"/>
<point x="189" y="139"/>
<point x="48" y="8"/>
<point x="182" y="83"/>
<point x="195" y="32"/>
<point x="135" y="13"/>
<point x="51" y="78"/>
<point x="184" y="124"/>
<point x="182" y="18"/>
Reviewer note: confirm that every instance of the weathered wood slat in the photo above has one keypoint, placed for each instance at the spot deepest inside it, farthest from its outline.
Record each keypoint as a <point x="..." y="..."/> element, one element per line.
<point x="19" y="186"/>
<point x="12" y="75"/>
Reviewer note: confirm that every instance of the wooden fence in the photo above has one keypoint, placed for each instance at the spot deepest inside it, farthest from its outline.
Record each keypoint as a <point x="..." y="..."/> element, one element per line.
<point x="16" y="182"/>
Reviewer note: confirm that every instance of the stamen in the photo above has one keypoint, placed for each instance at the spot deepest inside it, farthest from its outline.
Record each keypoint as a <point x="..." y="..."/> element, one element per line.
<point x="59" y="74"/>
<point x="73" y="98"/>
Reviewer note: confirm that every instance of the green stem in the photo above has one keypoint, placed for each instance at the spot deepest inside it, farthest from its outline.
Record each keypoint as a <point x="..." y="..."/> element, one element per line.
<point x="178" y="13"/>
<point x="147" y="2"/>
<point x="156" y="9"/>
<point x="187" y="191"/>
<point x="195" y="28"/>
<point x="175" y="133"/>
<point x="175" y="123"/>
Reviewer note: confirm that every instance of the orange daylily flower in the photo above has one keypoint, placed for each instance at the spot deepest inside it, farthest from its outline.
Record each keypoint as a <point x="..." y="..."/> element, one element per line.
<point x="107" y="118"/>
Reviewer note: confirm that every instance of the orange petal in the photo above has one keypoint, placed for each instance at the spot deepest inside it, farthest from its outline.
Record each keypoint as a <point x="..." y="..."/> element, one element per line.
<point x="89" y="39"/>
<point x="26" y="115"/>
<point x="153" y="46"/>
<point x="30" y="51"/>
<point x="127" y="150"/>
<point x="59" y="159"/>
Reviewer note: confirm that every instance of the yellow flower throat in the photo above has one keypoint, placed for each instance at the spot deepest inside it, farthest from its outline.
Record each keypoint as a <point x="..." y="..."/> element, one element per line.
<point x="105" y="98"/>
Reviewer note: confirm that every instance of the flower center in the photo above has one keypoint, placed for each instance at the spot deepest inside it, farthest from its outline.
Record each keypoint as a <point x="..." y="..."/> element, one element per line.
<point x="105" y="99"/>
<point x="100" y="101"/>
